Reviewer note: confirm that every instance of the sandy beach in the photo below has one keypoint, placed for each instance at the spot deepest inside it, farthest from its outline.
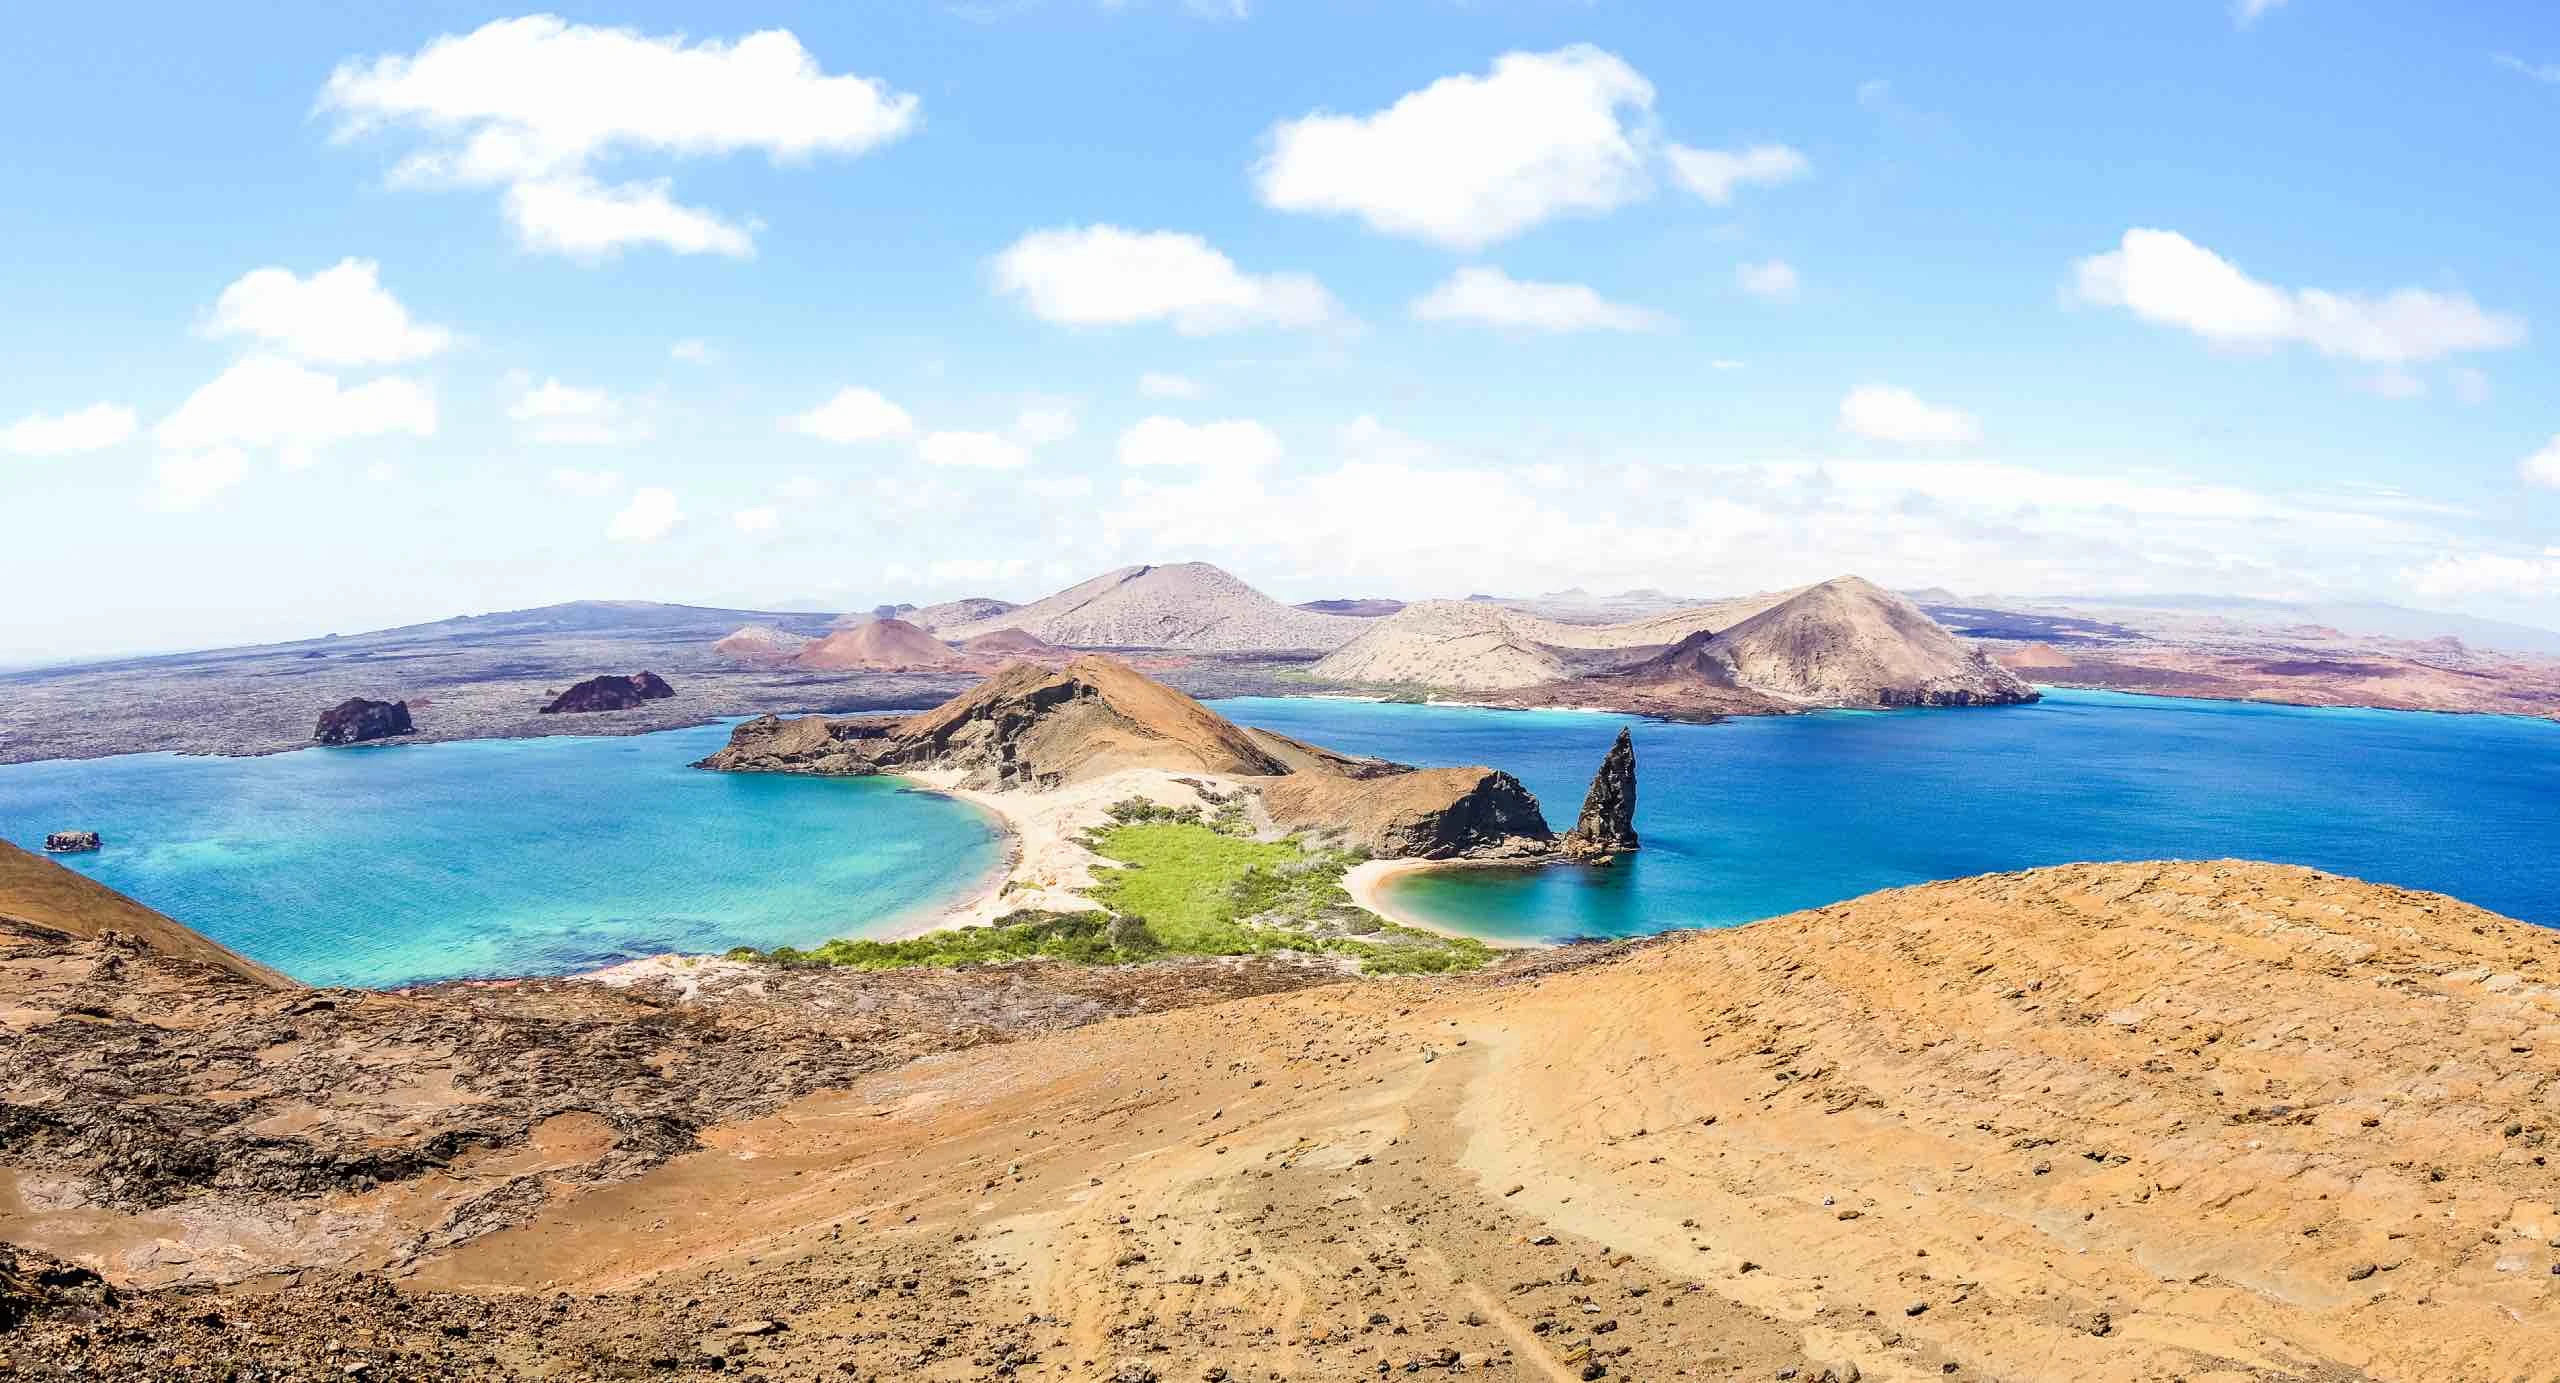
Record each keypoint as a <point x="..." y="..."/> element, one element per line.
<point x="1367" y="885"/>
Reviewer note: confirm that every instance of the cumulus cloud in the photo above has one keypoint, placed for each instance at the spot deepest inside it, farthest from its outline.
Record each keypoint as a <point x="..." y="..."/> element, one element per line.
<point x="762" y="518"/>
<point x="1486" y="296"/>
<point x="190" y="480"/>
<point x="1107" y="276"/>
<point x="1235" y="444"/>
<point x="339" y="316"/>
<point x="1156" y="385"/>
<point x="538" y="104"/>
<point x="984" y="451"/>
<point x="2488" y="574"/>
<point x="2162" y="276"/>
<point x="584" y="219"/>
<point x="1471" y="160"/>
<point x="585" y="484"/>
<point x="1885" y="413"/>
<point x="2543" y="467"/>
<point x="94" y="428"/>
<point x="651" y="515"/>
<point x="1773" y="279"/>
<point x="268" y="401"/>
<point x="853" y="415"/>
<point x="1716" y="174"/>
<point x="556" y="414"/>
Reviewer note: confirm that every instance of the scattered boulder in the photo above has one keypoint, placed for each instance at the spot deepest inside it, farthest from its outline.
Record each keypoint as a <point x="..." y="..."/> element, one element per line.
<point x="36" y="1284"/>
<point x="1607" y="826"/>
<point x="610" y="693"/>
<point x="355" y="720"/>
<point x="72" y="842"/>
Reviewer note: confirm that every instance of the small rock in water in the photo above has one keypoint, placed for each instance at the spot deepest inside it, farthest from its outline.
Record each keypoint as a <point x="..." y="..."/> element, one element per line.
<point x="71" y="842"/>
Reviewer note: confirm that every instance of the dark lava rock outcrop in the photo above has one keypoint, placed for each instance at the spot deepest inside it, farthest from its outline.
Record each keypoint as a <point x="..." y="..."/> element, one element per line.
<point x="610" y="692"/>
<point x="72" y="842"/>
<point x="355" y="720"/>
<point x="1607" y="826"/>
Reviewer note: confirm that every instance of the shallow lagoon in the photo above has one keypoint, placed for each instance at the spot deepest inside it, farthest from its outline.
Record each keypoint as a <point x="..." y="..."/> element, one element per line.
<point x="1754" y="817"/>
<point x="393" y="864"/>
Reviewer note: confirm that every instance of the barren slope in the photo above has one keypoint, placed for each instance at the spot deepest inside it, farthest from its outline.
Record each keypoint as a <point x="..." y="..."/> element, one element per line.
<point x="1190" y="605"/>
<point x="37" y="893"/>
<point x="2138" y="1121"/>
<point x="884" y="645"/>
<point x="1850" y="642"/>
<point x="1455" y="644"/>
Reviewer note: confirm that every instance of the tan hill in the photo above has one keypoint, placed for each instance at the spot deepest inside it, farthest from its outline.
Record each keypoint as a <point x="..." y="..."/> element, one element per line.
<point x="1191" y="606"/>
<point x="1850" y="642"/>
<point x="2096" y="1122"/>
<point x="760" y="643"/>
<point x="1014" y="643"/>
<point x="1455" y="644"/>
<point x="37" y="893"/>
<point x="1030" y="726"/>
<point x="973" y="609"/>
<point x="880" y="645"/>
<point x="2034" y="655"/>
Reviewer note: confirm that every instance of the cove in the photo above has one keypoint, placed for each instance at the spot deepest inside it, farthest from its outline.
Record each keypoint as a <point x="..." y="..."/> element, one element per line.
<point x="1755" y="817"/>
<point x="396" y="864"/>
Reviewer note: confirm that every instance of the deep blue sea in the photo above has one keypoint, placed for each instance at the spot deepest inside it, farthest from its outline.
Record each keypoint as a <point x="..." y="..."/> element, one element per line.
<point x="390" y="865"/>
<point x="393" y="864"/>
<point x="1754" y="817"/>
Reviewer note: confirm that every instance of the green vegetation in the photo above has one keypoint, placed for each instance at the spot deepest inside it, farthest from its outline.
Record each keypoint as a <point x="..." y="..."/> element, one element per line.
<point x="1183" y="882"/>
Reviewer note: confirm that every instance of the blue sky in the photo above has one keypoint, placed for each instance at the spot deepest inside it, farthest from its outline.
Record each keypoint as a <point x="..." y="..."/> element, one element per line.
<point x="338" y="317"/>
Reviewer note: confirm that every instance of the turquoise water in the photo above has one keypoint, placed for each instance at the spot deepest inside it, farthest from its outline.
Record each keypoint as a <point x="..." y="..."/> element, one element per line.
<point x="392" y="865"/>
<point x="1755" y="817"/>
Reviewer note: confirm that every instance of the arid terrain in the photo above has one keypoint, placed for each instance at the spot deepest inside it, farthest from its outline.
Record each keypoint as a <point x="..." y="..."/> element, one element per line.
<point x="2150" y="1121"/>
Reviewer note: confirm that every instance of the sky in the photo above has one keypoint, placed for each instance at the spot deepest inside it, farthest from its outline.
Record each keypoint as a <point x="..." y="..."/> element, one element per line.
<point x="330" y="318"/>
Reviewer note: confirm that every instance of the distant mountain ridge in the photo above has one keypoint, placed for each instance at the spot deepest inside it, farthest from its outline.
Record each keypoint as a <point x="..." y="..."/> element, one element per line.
<point x="1189" y="606"/>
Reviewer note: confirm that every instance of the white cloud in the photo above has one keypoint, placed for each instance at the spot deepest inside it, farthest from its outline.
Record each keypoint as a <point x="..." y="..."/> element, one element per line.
<point x="1156" y="385"/>
<point x="763" y="518"/>
<point x="190" y="480"/>
<point x="585" y="484"/>
<point x="1233" y="445"/>
<point x="1773" y="279"/>
<point x="2162" y="276"/>
<point x="1489" y="297"/>
<point x="853" y="415"/>
<point x="535" y="104"/>
<point x="691" y="351"/>
<point x="1075" y="486"/>
<point x="1471" y="160"/>
<point x="338" y="316"/>
<point x="1884" y="413"/>
<point x="803" y="489"/>
<point x="2543" y="467"/>
<point x="269" y="401"/>
<point x="2548" y="72"/>
<point x="94" y="428"/>
<point x="2488" y="574"/>
<point x="1716" y="174"/>
<point x="1038" y="427"/>
<point x="1107" y="276"/>
<point x="584" y="219"/>
<point x="976" y="450"/>
<point x="2247" y="12"/>
<point x="2393" y="384"/>
<point x="650" y="515"/>
<point x="556" y="414"/>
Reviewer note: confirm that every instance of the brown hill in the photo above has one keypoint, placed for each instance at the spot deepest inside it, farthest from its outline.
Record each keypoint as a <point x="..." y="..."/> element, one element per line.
<point x="1191" y="606"/>
<point x="1850" y="642"/>
<point x="2098" y="1122"/>
<point x="2034" y="655"/>
<point x="1457" y="644"/>
<point x="38" y="894"/>
<point x="973" y="609"/>
<point x="880" y="645"/>
<point x="1030" y="726"/>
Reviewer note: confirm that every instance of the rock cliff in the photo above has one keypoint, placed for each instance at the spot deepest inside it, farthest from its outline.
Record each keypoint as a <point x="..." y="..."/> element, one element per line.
<point x="1607" y="826"/>
<point x="1425" y="814"/>
<point x="610" y="692"/>
<point x="355" y="720"/>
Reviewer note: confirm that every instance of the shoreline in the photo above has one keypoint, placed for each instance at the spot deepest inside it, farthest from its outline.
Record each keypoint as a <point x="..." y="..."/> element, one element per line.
<point x="1367" y="884"/>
